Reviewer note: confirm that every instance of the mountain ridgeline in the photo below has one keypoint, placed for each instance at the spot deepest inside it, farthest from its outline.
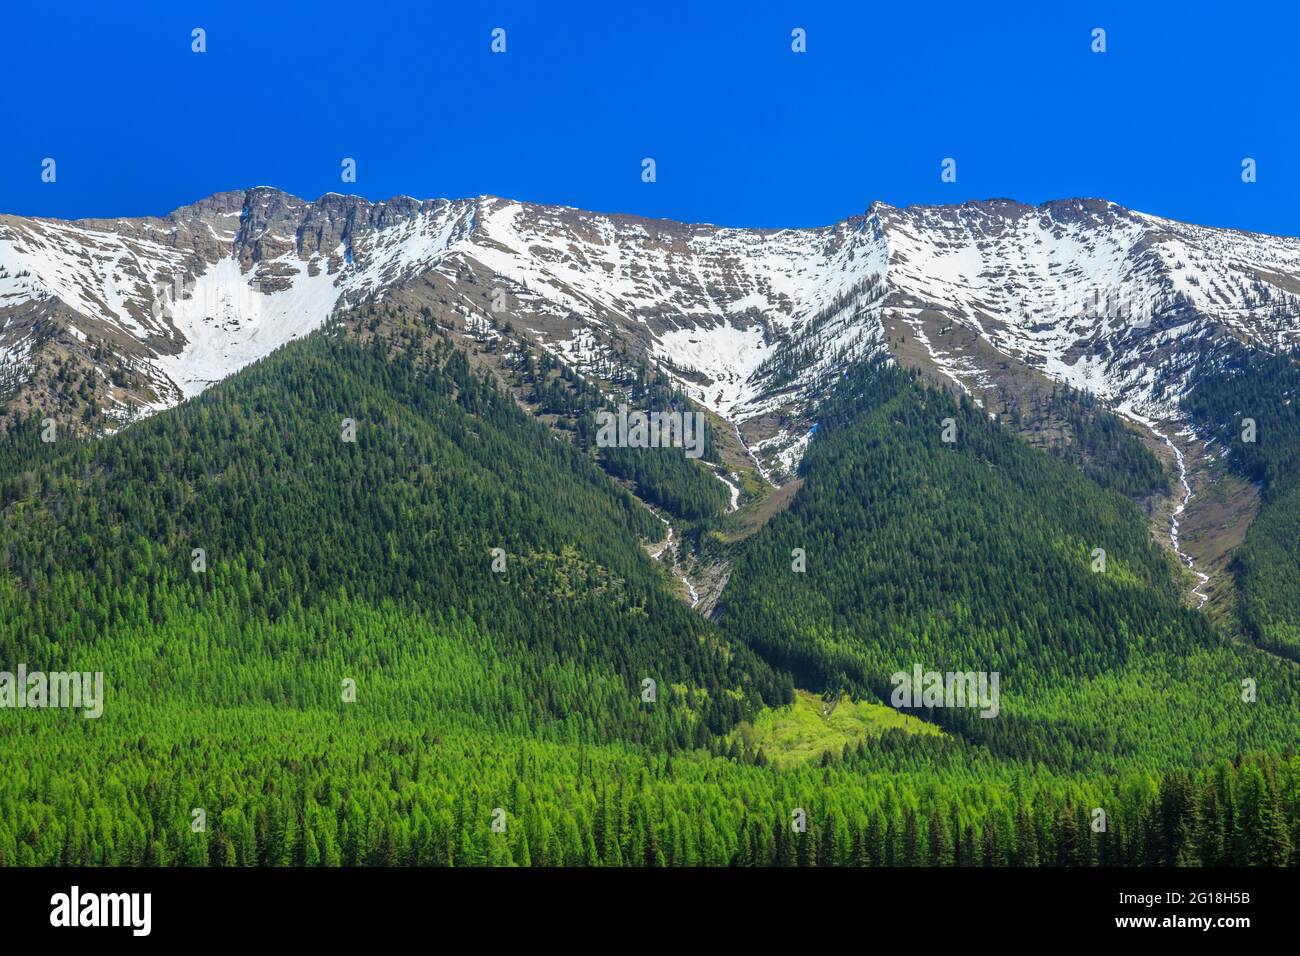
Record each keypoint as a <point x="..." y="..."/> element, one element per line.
<point x="381" y="598"/>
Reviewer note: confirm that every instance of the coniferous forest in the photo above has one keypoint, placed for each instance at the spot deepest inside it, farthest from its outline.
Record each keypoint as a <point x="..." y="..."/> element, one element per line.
<point x="1248" y="404"/>
<point x="443" y="640"/>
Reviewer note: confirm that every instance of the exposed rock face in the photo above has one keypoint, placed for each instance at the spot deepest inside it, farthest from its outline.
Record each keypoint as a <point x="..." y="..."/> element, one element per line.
<point x="754" y="323"/>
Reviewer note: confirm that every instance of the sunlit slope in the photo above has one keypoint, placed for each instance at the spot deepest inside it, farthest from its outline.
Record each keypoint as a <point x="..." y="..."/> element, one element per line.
<point x="982" y="554"/>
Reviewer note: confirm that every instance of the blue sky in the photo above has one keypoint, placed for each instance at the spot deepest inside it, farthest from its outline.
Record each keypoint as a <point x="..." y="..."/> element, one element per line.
<point x="743" y="131"/>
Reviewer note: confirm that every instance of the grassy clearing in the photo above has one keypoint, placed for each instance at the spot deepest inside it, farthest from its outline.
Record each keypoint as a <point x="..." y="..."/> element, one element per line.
<point x="801" y="732"/>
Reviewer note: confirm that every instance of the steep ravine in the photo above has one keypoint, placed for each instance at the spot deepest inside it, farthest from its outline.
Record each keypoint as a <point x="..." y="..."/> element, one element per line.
<point x="1186" y="559"/>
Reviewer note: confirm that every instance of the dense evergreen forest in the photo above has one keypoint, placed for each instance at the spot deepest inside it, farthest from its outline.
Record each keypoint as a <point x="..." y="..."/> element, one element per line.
<point x="1250" y="406"/>
<point x="661" y="476"/>
<point x="1099" y="444"/>
<point x="443" y="472"/>
<point x="443" y="642"/>
<point x="981" y="554"/>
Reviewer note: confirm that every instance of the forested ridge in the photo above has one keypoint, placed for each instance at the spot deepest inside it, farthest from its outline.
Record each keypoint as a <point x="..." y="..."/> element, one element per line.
<point x="501" y="717"/>
<point x="981" y="554"/>
<point x="1249" y="405"/>
<point x="444" y="470"/>
<point x="1099" y="444"/>
<point x="662" y="476"/>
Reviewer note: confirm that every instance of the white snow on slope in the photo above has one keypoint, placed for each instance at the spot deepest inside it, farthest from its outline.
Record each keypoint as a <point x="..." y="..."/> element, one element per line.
<point x="704" y="289"/>
<point x="1071" y="288"/>
<point x="97" y="273"/>
<point x="228" y="324"/>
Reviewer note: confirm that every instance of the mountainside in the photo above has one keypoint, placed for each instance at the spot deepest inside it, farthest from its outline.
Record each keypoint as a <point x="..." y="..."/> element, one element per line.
<point x="1055" y="318"/>
<point x="981" y="553"/>
<point x="1245" y="404"/>
<point x="133" y="315"/>
<point x="346" y="678"/>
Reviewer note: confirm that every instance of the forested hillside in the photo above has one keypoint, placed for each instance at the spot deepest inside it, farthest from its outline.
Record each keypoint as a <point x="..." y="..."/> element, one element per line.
<point x="982" y="554"/>
<point x="450" y="501"/>
<point x="570" y="402"/>
<point x="1250" y="406"/>
<point x="1100" y="444"/>
<point x="347" y="680"/>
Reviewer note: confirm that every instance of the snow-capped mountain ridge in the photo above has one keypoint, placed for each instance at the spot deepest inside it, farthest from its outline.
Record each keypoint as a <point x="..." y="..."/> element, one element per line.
<point x="753" y="322"/>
